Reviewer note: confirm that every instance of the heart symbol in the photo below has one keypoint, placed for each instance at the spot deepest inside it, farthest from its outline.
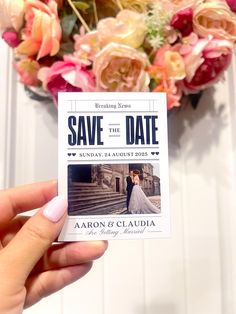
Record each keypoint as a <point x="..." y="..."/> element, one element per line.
<point x="74" y="154"/>
<point x="69" y="154"/>
<point x="157" y="153"/>
<point x="153" y="153"/>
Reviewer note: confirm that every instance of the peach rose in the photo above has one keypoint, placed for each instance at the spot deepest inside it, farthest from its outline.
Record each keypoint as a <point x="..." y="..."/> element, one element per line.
<point x="174" y="65"/>
<point x="28" y="71"/>
<point x="11" y="14"/>
<point x="174" y="93"/>
<point x="42" y="34"/>
<point x="167" y="70"/>
<point x="86" y="46"/>
<point x="216" y="19"/>
<point x="120" y="68"/>
<point x="170" y="60"/>
<point x="127" y="28"/>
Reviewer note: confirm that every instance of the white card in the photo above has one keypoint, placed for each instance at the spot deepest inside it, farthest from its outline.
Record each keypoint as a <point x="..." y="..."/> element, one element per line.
<point x="113" y="165"/>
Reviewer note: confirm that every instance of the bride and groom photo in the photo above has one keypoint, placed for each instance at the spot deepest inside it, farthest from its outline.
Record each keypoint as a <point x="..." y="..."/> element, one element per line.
<point x="113" y="189"/>
<point x="137" y="202"/>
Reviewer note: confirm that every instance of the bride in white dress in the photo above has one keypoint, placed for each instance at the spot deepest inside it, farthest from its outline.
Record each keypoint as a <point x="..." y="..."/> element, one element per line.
<point x="139" y="203"/>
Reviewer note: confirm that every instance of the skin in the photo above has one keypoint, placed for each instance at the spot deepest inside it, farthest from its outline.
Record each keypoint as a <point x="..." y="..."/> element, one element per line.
<point x="32" y="265"/>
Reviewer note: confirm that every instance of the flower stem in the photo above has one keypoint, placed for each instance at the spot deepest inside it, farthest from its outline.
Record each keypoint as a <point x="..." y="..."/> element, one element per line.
<point x="119" y="4"/>
<point x="79" y="16"/>
<point x="95" y="11"/>
<point x="152" y="53"/>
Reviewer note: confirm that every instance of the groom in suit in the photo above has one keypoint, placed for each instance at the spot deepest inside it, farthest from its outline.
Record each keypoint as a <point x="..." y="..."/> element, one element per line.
<point x="129" y="188"/>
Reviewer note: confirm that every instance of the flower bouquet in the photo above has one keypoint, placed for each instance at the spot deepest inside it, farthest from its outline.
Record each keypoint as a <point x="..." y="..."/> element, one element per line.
<point x="180" y="47"/>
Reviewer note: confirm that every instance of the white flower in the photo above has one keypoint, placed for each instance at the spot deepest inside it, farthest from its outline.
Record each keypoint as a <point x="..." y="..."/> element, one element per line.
<point x="11" y="14"/>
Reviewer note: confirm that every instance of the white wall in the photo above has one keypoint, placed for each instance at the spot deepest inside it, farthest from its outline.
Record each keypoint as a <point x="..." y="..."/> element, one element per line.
<point x="191" y="273"/>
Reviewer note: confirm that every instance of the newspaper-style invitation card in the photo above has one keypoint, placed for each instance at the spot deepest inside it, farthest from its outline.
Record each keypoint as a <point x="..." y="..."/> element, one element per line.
<point x="113" y="165"/>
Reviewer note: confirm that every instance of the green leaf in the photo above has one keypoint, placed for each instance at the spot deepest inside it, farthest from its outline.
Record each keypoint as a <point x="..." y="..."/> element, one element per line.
<point x="67" y="24"/>
<point x="82" y="6"/>
<point x="66" y="48"/>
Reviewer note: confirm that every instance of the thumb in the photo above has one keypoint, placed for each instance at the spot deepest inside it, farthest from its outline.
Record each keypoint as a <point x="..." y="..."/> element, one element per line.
<point x="34" y="238"/>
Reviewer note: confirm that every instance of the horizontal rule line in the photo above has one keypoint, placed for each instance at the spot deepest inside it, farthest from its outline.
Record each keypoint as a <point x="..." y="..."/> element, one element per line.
<point x="128" y="160"/>
<point x="114" y="216"/>
<point x="111" y="148"/>
<point x="116" y="100"/>
<point x="112" y="112"/>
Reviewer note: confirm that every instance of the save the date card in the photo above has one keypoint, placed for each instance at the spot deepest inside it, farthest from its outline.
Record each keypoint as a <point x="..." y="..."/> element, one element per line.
<point x="113" y="165"/>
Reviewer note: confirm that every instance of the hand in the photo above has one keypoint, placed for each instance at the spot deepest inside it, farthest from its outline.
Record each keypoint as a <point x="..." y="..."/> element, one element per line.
<point x="31" y="267"/>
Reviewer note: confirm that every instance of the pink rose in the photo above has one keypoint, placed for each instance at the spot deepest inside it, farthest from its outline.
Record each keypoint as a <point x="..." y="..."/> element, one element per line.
<point x="120" y="68"/>
<point x="68" y="75"/>
<point x="232" y="4"/>
<point x="11" y="38"/>
<point x="183" y="21"/>
<point x="42" y="34"/>
<point x="205" y="62"/>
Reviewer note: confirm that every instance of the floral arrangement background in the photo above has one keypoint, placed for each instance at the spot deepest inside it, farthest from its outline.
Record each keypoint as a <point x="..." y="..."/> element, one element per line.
<point x="176" y="46"/>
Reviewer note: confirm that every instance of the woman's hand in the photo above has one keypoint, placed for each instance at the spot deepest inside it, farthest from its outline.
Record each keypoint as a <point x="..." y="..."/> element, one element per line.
<point x="31" y="267"/>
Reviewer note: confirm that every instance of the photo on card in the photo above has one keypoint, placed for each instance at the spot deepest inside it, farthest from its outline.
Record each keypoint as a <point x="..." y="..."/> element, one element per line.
<point x="114" y="189"/>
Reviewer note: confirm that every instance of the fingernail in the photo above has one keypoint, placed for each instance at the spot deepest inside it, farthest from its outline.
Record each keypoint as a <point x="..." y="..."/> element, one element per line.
<point x="106" y="244"/>
<point x="55" y="209"/>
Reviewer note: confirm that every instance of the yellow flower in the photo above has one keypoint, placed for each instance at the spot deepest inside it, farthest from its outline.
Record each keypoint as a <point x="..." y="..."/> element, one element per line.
<point x="127" y="28"/>
<point x="216" y="19"/>
<point x="174" y="65"/>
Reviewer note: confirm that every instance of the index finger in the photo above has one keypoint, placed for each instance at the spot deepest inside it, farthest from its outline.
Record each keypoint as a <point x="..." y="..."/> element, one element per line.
<point x="24" y="198"/>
